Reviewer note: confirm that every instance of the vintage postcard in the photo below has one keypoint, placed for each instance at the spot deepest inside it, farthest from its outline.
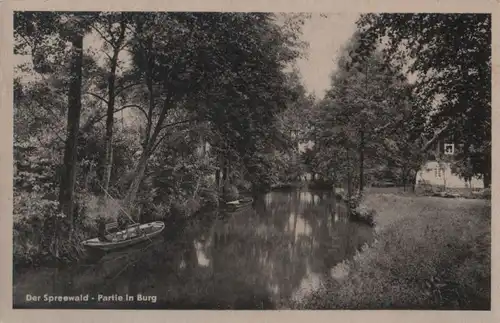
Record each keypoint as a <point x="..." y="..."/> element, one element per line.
<point x="275" y="158"/>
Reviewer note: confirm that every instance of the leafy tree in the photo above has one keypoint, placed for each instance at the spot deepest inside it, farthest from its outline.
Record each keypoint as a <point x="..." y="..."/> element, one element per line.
<point x="162" y="57"/>
<point x="450" y="55"/>
<point x="254" y="88"/>
<point x="39" y="31"/>
<point x="112" y="28"/>
<point x="37" y="143"/>
<point x="192" y="78"/>
<point x="293" y="125"/>
<point x="364" y="99"/>
<point x="224" y="69"/>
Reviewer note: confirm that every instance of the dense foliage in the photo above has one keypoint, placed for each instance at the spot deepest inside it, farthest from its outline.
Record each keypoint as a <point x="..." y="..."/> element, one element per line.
<point x="403" y="84"/>
<point x="450" y="55"/>
<point x="158" y="111"/>
<point x="359" y="124"/>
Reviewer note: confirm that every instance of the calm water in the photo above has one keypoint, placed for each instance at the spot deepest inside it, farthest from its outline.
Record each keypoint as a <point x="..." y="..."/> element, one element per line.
<point x="258" y="258"/>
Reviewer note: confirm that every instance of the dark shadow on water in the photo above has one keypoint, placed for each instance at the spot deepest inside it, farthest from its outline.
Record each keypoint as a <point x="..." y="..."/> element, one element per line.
<point x="256" y="258"/>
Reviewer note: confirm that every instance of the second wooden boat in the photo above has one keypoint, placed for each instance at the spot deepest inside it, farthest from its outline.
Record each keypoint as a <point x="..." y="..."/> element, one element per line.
<point x="238" y="204"/>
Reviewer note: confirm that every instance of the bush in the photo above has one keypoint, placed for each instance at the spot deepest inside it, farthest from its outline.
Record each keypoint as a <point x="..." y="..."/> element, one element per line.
<point x="242" y="185"/>
<point x="41" y="233"/>
<point x="209" y="198"/>
<point x="185" y="209"/>
<point x="31" y="217"/>
<point x="483" y="194"/>
<point x="362" y="213"/>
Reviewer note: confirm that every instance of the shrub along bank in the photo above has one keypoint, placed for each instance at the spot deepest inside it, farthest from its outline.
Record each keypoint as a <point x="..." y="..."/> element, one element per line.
<point x="37" y="220"/>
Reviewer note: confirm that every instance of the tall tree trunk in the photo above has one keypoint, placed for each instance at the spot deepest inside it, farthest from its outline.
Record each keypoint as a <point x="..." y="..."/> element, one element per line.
<point x="150" y="143"/>
<point x="140" y="170"/>
<point x="487" y="179"/>
<point x="361" y="160"/>
<point x="409" y="174"/>
<point x="487" y="171"/>
<point x="224" y="172"/>
<point x="108" y="165"/>
<point x="334" y="200"/>
<point x="228" y="169"/>
<point x="223" y="167"/>
<point x="349" y="183"/>
<point x="203" y="147"/>
<point x="108" y="157"/>
<point x="68" y="176"/>
<point x="217" y="178"/>
<point x="414" y="179"/>
<point x="349" y="176"/>
<point x="405" y="175"/>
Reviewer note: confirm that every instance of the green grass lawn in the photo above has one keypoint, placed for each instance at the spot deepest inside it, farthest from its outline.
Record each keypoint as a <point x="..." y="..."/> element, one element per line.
<point x="430" y="253"/>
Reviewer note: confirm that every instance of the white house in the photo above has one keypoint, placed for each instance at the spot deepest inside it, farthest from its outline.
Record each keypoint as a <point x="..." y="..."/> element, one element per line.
<point x="438" y="173"/>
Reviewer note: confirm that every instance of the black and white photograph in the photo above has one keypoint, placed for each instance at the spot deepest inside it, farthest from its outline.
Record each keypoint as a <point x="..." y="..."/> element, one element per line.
<point x="224" y="160"/>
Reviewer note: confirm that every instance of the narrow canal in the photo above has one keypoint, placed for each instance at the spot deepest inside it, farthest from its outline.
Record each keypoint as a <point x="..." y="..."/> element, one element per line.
<point x="260" y="257"/>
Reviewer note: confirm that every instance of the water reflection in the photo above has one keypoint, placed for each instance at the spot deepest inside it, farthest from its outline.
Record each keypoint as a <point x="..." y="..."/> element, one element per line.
<point x="253" y="259"/>
<point x="200" y="254"/>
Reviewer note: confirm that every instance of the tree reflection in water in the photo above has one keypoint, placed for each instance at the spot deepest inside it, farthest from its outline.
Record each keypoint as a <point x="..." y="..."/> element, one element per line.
<point x="253" y="259"/>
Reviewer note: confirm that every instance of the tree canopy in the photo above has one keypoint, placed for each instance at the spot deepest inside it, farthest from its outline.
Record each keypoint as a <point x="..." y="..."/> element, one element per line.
<point x="186" y="79"/>
<point x="450" y="56"/>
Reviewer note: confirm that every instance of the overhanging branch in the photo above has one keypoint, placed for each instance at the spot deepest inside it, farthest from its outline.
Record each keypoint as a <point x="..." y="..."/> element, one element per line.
<point x="97" y="96"/>
<point x="102" y="36"/>
<point x="166" y="133"/>
<point x="97" y="119"/>
<point x="121" y="89"/>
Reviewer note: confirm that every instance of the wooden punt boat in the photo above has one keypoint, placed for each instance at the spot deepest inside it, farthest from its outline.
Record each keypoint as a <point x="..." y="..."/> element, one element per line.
<point x="238" y="204"/>
<point x="124" y="238"/>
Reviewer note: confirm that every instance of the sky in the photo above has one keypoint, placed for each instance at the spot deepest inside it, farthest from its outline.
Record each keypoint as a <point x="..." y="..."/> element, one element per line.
<point x="326" y="36"/>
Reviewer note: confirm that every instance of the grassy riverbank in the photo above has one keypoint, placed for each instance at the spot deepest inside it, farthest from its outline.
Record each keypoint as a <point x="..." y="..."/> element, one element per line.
<point x="430" y="253"/>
